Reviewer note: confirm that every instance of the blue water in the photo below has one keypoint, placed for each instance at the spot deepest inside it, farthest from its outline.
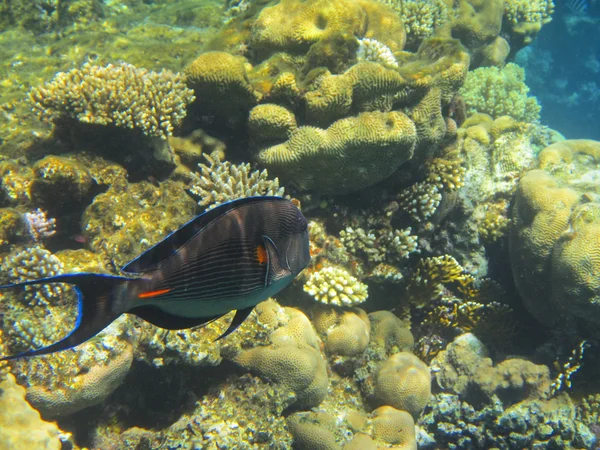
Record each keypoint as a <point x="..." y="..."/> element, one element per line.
<point x="563" y="71"/>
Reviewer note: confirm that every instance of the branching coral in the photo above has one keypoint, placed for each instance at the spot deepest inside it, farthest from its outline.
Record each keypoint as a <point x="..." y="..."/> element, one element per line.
<point x="525" y="18"/>
<point x="379" y="245"/>
<point x="120" y="95"/>
<point x="375" y="51"/>
<point x="221" y="181"/>
<point x="420" y="18"/>
<point x="499" y="92"/>
<point x="420" y="200"/>
<point x="335" y="286"/>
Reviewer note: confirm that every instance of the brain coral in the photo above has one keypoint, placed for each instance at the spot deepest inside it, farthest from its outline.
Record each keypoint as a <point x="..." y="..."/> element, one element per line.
<point x="293" y="25"/>
<point x="394" y="427"/>
<point x="499" y="92"/>
<point x="403" y="381"/>
<point x="351" y="154"/>
<point x="555" y="234"/>
<point x="293" y="360"/>
<point x="215" y="76"/>
<point x="346" y="332"/>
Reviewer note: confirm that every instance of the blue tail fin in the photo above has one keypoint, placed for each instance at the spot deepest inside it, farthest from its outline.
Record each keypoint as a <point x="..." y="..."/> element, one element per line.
<point x="94" y="303"/>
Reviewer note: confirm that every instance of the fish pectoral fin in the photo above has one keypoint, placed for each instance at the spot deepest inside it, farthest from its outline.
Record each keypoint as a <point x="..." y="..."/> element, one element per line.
<point x="238" y="319"/>
<point x="167" y="321"/>
<point x="275" y="269"/>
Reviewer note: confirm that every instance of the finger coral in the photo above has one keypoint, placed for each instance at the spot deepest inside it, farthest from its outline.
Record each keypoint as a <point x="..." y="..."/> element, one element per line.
<point x="120" y="95"/>
<point x="221" y="181"/>
<point x="375" y="51"/>
<point x="335" y="286"/>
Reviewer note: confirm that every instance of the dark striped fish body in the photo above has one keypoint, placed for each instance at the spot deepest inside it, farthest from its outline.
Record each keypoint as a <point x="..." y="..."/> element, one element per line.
<point x="229" y="258"/>
<point x="577" y="7"/>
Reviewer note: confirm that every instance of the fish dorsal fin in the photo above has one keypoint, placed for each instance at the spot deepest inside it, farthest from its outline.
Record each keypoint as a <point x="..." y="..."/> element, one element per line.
<point x="275" y="269"/>
<point x="176" y="240"/>
<point x="238" y="319"/>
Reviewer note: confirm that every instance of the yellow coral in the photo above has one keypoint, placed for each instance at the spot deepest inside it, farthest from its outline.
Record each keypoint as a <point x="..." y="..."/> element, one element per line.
<point x="349" y="155"/>
<point x="293" y="360"/>
<point x="526" y="18"/>
<point x="499" y="92"/>
<point x="313" y="430"/>
<point x="121" y="95"/>
<point x="389" y="334"/>
<point x="21" y="426"/>
<point x="335" y="286"/>
<point x="394" y="427"/>
<point x="403" y="381"/>
<point x="270" y="121"/>
<point x="346" y="332"/>
<point x="215" y="76"/>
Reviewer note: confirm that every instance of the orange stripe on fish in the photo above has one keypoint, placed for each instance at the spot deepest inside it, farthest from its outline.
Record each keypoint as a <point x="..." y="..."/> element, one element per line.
<point x="151" y="294"/>
<point x="261" y="254"/>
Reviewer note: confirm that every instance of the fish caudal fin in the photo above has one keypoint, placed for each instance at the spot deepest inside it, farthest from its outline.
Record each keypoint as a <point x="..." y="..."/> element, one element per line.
<point x="94" y="304"/>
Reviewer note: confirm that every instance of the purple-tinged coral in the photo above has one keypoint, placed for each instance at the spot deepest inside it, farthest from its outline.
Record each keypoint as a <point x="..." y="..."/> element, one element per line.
<point x="39" y="225"/>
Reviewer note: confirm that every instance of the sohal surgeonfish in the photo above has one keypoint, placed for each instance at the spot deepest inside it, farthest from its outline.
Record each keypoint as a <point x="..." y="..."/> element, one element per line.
<point x="231" y="257"/>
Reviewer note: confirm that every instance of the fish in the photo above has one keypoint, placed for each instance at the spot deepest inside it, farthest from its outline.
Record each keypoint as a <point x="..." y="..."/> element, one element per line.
<point x="231" y="257"/>
<point x="578" y="7"/>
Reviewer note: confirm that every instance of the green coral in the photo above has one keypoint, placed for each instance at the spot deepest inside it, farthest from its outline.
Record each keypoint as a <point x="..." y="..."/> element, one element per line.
<point x="500" y="92"/>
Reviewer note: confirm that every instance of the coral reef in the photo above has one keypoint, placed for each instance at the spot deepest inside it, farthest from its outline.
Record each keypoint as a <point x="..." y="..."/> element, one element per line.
<point x="292" y="360"/>
<point x="500" y="92"/>
<point x="120" y="95"/>
<point x="221" y="181"/>
<point x="335" y="286"/>
<point x="351" y="154"/>
<point x="126" y="220"/>
<point x="514" y="410"/>
<point x="553" y="234"/>
<point x="344" y="332"/>
<point x="21" y="425"/>
<point x="403" y="381"/>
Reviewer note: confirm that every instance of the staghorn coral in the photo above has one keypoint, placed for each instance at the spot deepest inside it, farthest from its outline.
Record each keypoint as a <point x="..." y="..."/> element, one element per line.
<point x="21" y="426"/>
<point x="335" y="286"/>
<point x="39" y="225"/>
<point x="349" y="155"/>
<point x="221" y="181"/>
<point x="120" y="95"/>
<point x="499" y="92"/>
<point x="431" y="273"/>
<point x="374" y="51"/>
<point x="403" y="381"/>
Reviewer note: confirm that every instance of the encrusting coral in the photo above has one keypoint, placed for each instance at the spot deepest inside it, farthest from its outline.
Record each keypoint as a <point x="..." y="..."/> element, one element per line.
<point x="120" y="95"/>
<point x="221" y="181"/>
